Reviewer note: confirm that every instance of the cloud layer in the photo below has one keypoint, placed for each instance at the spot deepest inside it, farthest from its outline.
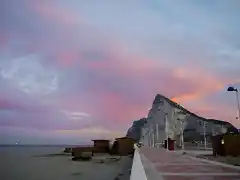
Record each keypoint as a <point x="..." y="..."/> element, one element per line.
<point x="75" y="69"/>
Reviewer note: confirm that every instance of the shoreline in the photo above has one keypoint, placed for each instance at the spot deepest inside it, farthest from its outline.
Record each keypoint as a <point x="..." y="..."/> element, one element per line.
<point x="43" y="163"/>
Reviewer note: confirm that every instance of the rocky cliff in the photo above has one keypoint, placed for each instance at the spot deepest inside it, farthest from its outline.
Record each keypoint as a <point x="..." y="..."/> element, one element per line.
<point x="135" y="130"/>
<point x="194" y="129"/>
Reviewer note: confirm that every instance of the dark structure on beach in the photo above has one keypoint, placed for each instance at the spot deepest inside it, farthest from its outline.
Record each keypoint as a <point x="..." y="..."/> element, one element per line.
<point x="101" y="146"/>
<point x="232" y="144"/>
<point x="123" y="146"/>
<point x="77" y="151"/>
<point x="218" y="145"/>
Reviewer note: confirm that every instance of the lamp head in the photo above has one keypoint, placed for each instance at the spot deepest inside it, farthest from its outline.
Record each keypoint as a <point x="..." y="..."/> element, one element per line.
<point x="231" y="89"/>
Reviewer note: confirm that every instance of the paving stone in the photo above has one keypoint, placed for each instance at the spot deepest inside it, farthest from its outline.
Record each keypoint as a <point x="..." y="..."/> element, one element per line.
<point x="172" y="166"/>
<point x="195" y="169"/>
<point x="201" y="178"/>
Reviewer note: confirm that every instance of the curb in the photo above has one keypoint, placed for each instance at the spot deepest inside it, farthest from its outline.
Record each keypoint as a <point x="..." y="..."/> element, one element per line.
<point x="138" y="172"/>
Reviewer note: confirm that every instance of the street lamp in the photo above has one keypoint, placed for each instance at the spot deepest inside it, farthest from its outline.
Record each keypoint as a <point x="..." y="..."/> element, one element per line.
<point x="203" y="123"/>
<point x="181" y="133"/>
<point x="232" y="89"/>
<point x="182" y="119"/>
<point x="204" y="131"/>
<point x="166" y="127"/>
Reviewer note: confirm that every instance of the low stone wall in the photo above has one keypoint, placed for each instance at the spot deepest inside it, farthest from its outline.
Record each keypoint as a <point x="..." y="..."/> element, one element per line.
<point x="232" y="144"/>
<point x="138" y="172"/>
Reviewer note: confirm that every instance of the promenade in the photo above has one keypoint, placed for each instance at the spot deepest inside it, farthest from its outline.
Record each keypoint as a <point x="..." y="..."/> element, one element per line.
<point x="159" y="164"/>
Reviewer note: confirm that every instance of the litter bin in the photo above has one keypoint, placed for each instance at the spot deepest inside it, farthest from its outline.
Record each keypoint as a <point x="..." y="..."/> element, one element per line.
<point x="171" y="145"/>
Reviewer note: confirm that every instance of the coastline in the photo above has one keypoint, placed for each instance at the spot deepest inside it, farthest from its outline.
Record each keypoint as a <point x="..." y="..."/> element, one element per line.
<point x="41" y="162"/>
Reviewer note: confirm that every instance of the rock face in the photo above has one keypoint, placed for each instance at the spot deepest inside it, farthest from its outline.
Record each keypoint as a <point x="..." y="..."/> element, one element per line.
<point x="135" y="130"/>
<point x="195" y="131"/>
<point x="168" y="117"/>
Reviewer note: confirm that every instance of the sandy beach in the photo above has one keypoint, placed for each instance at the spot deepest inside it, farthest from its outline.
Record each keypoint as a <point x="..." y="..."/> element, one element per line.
<point x="34" y="164"/>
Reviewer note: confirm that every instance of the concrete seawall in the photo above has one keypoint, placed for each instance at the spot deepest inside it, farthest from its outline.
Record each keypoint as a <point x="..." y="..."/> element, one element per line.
<point x="138" y="172"/>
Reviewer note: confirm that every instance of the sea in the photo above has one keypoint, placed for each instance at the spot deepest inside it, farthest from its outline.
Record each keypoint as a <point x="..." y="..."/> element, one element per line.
<point x="35" y="162"/>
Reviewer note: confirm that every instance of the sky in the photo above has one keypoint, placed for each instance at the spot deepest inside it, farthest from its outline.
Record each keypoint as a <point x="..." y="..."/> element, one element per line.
<point x="71" y="70"/>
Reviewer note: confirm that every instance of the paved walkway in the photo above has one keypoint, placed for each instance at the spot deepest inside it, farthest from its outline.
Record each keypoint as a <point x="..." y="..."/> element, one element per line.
<point x="160" y="164"/>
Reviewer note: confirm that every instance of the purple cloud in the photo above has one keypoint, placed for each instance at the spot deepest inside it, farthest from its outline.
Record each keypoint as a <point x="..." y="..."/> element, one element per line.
<point x="79" y="66"/>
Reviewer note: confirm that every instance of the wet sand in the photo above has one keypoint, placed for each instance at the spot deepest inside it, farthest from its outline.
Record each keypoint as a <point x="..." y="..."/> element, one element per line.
<point x="22" y="166"/>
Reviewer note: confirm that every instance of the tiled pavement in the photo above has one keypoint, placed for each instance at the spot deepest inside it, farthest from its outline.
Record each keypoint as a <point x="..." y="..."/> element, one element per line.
<point x="160" y="164"/>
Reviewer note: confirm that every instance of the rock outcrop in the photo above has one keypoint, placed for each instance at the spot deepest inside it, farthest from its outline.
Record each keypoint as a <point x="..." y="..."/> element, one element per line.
<point x="194" y="128"/>
<point x="135" y="130"/>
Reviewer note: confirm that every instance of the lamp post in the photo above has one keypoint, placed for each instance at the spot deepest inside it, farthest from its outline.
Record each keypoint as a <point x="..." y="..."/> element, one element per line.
<point x="181" y="135"/>
<point x="204" y="133"/>
<point x="153" y="138"/>
<point x="166" y="128"/>
<point x="203" y="124"/>
<point x="182" y="119"/>
<point x="232" y="89"/>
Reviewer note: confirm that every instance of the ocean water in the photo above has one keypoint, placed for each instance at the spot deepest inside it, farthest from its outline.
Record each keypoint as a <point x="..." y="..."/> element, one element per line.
<point x="39" y="163"/>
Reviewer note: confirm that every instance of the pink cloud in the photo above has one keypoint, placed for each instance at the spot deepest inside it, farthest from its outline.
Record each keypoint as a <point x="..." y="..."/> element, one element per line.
<point x="119" y="86"/>
<point x="9" y="105"/>
<point x="3" y="39"/>
<point x="218" y="111"/>
<point x="120" y="109"/>
<point x="55" y="13"/>
<point x="205" y="83"/>
<point x="186" y="85"/>
<point x="67" y="58"/>
<point x="24" y="106"/>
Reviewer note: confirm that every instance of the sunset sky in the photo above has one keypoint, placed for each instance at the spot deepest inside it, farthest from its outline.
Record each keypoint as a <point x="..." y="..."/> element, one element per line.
<point x="75" y="70"/>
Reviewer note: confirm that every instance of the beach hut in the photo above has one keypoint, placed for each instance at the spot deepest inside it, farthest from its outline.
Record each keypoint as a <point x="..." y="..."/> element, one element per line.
<point x="125" y="146"/>
<point x="101" y="145"/>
